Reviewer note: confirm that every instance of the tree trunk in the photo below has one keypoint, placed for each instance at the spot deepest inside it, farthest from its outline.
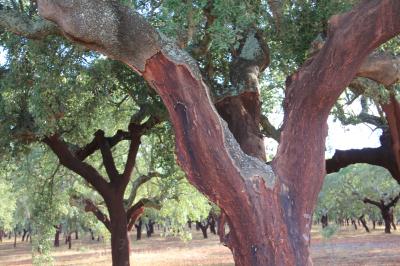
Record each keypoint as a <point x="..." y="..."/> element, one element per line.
<point x="15" y="238"/>
<point x="149" y="228"/>
<point x="386" y="219"/>
<point x="203" y="228"/>
<point x="364" y="223"/>
<point x="24" y="235"/>
<point x="373" y="224"/>
<point x="212" y="224"/>
<point x="91" y="234"/>
<point x="69" y="240"/>
<point x="1" y="235"/>
<point x="76" y="235"/>
<point x="57" y="236"/>
<point x="190" y="224"/>
<point x="324" y="220"/>
<point x="353" y="222"/>
<point x="119" y="232"/>
<point x="139" y="230"/>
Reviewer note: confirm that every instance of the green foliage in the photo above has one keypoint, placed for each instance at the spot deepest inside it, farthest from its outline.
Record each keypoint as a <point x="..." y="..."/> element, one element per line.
<point x="7" y="205"/>
<point x="329" y="231"/>
<point x="342" y="193"/>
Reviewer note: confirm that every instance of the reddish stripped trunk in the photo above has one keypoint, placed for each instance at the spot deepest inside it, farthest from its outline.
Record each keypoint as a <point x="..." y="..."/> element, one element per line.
<point x="259" y="243"/>
<point x="392" y="112"/>
<point x="119" y="232"/>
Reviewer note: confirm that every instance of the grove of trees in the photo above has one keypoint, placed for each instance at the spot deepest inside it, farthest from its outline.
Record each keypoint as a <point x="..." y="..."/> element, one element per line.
<point x="94" y="85"/>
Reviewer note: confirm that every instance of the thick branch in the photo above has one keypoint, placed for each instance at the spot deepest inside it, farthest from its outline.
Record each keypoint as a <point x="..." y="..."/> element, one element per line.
<point x="393" y="202"/>
<point x="136" y="132"/>
<point x="93" y="146"/>
<point x="25" y="26"/>
<point x="381" y="67"/>
<point x="68" y="159"/>
<point x="344" y="158"/>
<point x="91" y="207"/>
<point x="108" y="159"/>
<point x="376" y="203"/>
<point x="137" y="183"/>
<point x="135" y="211"/>
<point x="269" y="130"/>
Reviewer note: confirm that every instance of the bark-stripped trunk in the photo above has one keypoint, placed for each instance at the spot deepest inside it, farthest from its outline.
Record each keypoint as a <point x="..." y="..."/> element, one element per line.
<point x="270" y="218"/>
<point x="119" y="232"/>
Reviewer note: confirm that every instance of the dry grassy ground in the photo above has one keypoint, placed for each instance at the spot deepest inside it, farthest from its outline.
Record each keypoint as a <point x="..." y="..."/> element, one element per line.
<point x="348" y="247"/>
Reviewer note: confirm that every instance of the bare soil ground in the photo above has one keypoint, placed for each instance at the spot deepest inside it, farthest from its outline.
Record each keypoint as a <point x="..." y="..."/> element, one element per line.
<point x="348" y="247"/>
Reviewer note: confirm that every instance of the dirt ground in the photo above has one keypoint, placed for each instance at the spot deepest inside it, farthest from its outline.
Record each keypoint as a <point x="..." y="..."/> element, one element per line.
<point x="348" y="247"/>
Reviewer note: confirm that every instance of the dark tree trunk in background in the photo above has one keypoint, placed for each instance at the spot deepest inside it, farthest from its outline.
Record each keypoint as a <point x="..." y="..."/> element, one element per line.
<point x="24" y="235"/>
<point x="91" y="234"/>
<point x="190" y="224"/>
<point x="57" y="235"/>
<point x="386" y="219"/>
<point x="391" y="210"/>
<point x="69" y="240"/>
<point x="203" y="226"/>
<point x="139" y="230"/>
<point x="1" y="235"/>
<point x="276" y="201"/>
<point x="324" y="220"/>
<point x="353" y="222"/>
<point x="212" y="223"/>
<point x="364" y="223"/>
<point x="373" y="224"/>
<point x="150" y="228"/>
<point x="76" y="235"/>
<point x="15" y="238"/>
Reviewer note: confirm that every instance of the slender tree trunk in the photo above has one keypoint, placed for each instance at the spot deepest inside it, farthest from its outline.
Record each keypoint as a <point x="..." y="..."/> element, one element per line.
<point x="212" y="223"/>
<point x="1" y="235"/>
<point x="190" y="224"/>
<point x="15" y="238"/>
<point x="57" y="236"/>
<point x="24" y="235"/>
<point x="364" y="223"/>
<point x="76" y="235"/>
<point x="91" y="234"/>
<point x="119" y="232"/>
<point x="373" y="224"/>
<point x="69" y="240"/>
<point x="139" y="230"/>
<point x="353" y="222"/>
<point x="324" y="220"/>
